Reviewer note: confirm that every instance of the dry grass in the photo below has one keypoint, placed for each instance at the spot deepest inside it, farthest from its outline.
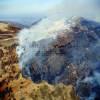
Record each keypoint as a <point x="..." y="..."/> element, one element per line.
<point x="19" y="88"/>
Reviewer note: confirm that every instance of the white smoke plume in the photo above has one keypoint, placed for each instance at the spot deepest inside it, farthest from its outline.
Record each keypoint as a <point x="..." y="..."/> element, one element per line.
<point x="55" y="21"/>
<point x="47" y="28"/>
<point x="30" y="39"/>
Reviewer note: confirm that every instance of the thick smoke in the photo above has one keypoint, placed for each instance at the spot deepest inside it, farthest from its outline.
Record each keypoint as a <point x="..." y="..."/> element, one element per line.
<point x="28" y="38"/>
<point x="82" y="54"/>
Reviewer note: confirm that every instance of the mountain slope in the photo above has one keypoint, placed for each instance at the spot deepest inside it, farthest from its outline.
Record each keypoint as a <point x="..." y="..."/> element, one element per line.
<point x="12" y="85"/>
<point x="72" y="57"/>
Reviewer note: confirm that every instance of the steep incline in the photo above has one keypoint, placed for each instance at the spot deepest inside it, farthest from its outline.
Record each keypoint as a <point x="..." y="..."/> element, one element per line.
<point x="72" y="57"/>
<point x="12" y="85"/>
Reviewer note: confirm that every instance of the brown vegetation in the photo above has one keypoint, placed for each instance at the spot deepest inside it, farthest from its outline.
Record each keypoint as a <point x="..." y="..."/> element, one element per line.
<point x="14" y="87"/>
